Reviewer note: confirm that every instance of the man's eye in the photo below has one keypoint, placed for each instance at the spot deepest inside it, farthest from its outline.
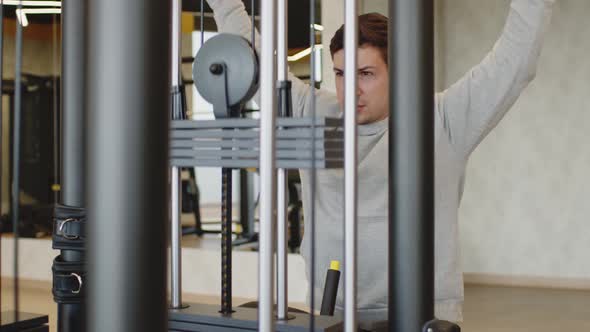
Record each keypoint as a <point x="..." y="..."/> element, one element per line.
<point x="366" y="73"/>
<point x="339" y="73"/>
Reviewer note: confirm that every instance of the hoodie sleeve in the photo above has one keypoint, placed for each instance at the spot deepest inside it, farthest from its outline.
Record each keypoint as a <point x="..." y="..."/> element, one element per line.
<point x="474" y="105"/>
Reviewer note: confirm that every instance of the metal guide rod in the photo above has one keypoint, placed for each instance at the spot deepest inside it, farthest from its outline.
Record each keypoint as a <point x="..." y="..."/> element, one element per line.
<point x="253" y="18"/>
<point x="175" y="181"/>
<point x="14" y="209"/>
<point x="73" y="133"/>
<point x="350" y="163"/>
<point x="313" y="173"/>
<point x="282" y="290"/>
<point x="1" y="122"/>
<point x="1" y="77"/>
<point x="176" y="43"/>
<point x="411" y="164"/>
<point x="175" y="249"/>
<point x="128" y="93"/>
<point x="71" y="316"/>
<point x="267" y="164"/>
<point x="202" y="22"/>
<point x="56" y="187"/>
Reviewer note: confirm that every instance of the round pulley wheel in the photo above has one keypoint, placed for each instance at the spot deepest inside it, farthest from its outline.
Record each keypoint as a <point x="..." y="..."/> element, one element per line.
<point x="225" y="72"/>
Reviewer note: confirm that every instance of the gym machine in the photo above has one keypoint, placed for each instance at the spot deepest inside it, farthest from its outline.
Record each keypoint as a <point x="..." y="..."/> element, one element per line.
<point x="16" y="320"/>
<point x="132" y="144"/>
<point x="226" y="74"/>
<point x="226" y="55"/>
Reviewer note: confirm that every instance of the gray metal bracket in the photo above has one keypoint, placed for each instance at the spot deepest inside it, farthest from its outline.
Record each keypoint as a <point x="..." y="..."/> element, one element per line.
<point x="203" y="317"/>
<point x="210" y="143"/>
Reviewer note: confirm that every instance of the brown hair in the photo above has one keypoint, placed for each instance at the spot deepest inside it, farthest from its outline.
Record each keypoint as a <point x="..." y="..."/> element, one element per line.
<point x="372" y="31"/>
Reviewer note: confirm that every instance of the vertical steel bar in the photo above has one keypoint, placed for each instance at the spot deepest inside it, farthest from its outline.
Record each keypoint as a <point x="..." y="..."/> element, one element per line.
<point x="175" y="180"/>
<point x="282" y="70"/>
<point x="175" y="237"/>
<point x="411" y="162"/>
<point x="71" y="316"/>
<point x="56" y="185"/>
<point x="73" y="138"/>
<point x="253" y="18"/>
<point x="312" y="100"/>
<point x="350" y="163"/>
<point x="128" y="98"/>
<point x="1" y="103"/>
<point x="1" y="123"/>
<point x="16" y="139"/>
<point x="267" y="165"/>
<point x="202" y="22"/>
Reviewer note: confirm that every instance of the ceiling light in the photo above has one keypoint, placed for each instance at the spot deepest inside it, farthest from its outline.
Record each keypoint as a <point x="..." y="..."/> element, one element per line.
<point x="302" y="54"/>
<point x="32" y="3"/>
<point x="21" y="14"/>
<point x="21" y="18"/>
<point x="41" y="10"/>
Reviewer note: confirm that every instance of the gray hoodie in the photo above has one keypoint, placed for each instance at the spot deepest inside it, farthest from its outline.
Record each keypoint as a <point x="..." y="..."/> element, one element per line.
<point x="465" y="113"/>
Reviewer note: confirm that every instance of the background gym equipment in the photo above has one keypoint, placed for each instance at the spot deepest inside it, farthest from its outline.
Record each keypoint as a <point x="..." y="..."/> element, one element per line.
<point x="17" y="320"/>
<point x="39" y="153"/>
<point x="232" y="142"/>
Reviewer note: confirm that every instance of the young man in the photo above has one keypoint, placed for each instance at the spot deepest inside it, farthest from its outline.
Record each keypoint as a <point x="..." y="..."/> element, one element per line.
<point x="465" y="113"/>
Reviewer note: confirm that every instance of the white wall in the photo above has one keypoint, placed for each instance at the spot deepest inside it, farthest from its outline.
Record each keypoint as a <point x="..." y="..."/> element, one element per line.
<point x="525" y="210"/>
<point x="332" y="19"/>
<point x="369" y="6"/>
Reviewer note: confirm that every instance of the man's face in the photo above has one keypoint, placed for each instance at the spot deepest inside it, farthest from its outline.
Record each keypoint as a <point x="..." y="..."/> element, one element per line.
<point x="373" y="84"/>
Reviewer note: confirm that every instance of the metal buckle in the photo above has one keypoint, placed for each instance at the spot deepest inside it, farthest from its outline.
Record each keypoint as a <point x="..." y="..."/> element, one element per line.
<point x="77" y="276"/>
<point x="61" y="228"/>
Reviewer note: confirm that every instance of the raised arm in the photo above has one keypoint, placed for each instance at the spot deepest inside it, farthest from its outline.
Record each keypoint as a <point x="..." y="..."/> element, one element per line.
<point x="475" y="104"/>
<point x="231" y="17"/>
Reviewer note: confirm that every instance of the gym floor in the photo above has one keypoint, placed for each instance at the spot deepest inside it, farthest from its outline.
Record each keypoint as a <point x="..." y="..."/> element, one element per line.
<point x="487" y="309"/>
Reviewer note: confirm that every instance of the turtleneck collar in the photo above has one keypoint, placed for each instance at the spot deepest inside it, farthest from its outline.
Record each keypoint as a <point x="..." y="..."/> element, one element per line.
<point x="373" y="128"/>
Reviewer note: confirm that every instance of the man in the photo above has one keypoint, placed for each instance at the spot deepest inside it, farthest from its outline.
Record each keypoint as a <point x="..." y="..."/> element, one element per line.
<point x="464" y="114"/>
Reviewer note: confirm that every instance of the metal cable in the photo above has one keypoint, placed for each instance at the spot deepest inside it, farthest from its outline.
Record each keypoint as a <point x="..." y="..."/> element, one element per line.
<point x="55" y="112"/>
<point x="16" y="153"/>
<point x="226" y="241"/>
